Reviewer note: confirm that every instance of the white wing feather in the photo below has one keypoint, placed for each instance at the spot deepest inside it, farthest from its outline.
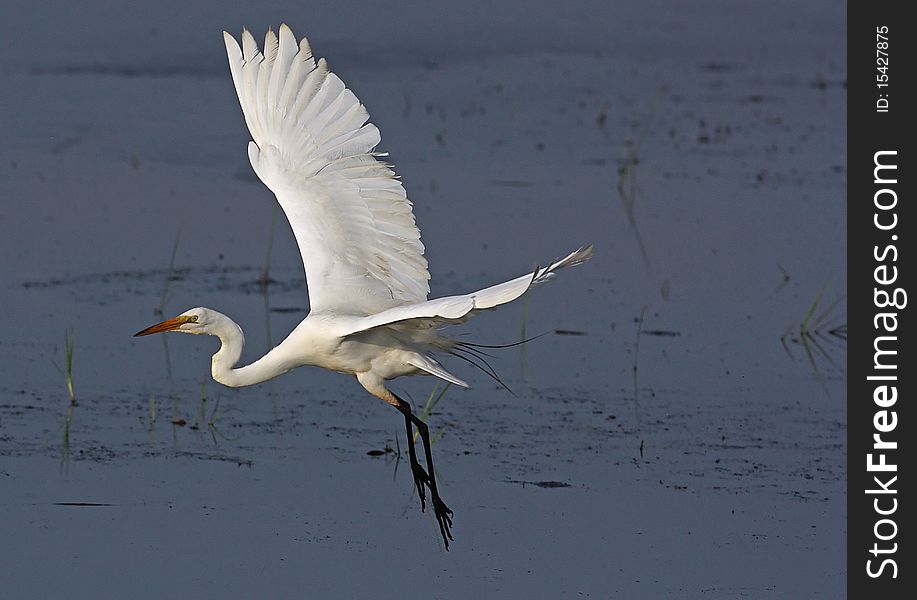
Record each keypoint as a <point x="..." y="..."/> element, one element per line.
<point x="455" y="309"/>
<point x="313" y="147"/>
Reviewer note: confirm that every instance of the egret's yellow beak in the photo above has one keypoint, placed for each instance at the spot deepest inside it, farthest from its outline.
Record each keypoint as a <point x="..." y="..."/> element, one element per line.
<point x="169" y="325"/>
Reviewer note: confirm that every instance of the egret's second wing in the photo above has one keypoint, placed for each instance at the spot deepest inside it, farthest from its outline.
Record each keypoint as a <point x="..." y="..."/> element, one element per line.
<point x="456" y="309"/>
<point x="313" y="147"/>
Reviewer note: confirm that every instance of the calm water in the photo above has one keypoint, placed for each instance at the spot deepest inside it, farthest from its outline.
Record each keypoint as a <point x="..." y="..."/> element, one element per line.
<point x="676" y="439"/>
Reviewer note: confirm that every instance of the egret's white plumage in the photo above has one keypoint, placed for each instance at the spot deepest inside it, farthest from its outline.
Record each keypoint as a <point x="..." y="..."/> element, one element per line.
<point x="313" y="146"/>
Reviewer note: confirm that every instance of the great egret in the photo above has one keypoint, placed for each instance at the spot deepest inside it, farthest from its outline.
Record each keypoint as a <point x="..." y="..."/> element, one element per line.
<point x="367" y="276"/>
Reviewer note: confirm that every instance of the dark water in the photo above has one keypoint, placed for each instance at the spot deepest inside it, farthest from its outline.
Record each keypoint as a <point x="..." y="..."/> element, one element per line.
<point x="690" y="443"/>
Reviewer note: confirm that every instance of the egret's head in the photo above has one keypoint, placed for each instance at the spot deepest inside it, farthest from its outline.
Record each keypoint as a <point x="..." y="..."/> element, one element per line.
<point x="196" y="320"/>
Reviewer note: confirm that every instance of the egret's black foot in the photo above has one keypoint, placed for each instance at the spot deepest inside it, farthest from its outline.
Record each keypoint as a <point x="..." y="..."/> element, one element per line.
<point x="421" y="480"/>
<point x="443" y="517"/>
<point x="442" y="512"/>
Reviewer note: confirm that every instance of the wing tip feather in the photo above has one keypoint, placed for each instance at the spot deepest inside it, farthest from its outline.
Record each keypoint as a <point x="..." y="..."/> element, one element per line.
<point x="232" y="46"/>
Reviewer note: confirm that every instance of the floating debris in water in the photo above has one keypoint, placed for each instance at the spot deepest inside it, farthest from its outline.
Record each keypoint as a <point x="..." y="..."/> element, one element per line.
<point x="541" y="484"/>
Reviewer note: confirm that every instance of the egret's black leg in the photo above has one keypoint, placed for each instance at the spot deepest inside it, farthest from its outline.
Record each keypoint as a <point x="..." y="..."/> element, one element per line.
<point x="421" y="477"/>
<point x="443" y="513"/>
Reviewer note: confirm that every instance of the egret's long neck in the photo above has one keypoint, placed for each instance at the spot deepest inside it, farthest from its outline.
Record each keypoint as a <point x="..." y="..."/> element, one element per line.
<point x="267" y="367"/>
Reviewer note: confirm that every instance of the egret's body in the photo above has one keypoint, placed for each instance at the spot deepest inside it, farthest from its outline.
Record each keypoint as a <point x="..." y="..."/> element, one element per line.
<point x="367" y="276"/>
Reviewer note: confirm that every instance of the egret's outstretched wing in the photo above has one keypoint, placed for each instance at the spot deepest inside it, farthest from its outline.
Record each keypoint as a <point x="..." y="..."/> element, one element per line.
<point x="455" y="309"/>
<point x="313" y="147"/>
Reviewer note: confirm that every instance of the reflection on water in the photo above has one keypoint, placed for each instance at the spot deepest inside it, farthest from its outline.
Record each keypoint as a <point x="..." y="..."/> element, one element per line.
<point x="151" y="421"/>
<point x="65" y="440"/>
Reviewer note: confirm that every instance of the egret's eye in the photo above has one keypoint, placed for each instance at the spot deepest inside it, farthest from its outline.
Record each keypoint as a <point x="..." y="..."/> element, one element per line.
<point x="193" y="319"/>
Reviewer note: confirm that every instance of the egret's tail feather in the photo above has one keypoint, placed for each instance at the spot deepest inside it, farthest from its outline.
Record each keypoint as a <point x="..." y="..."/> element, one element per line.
<point x="431" y="366"/>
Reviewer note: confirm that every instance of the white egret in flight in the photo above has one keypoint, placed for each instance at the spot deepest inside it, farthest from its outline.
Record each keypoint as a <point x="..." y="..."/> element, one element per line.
<point x="367" y="276"/>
